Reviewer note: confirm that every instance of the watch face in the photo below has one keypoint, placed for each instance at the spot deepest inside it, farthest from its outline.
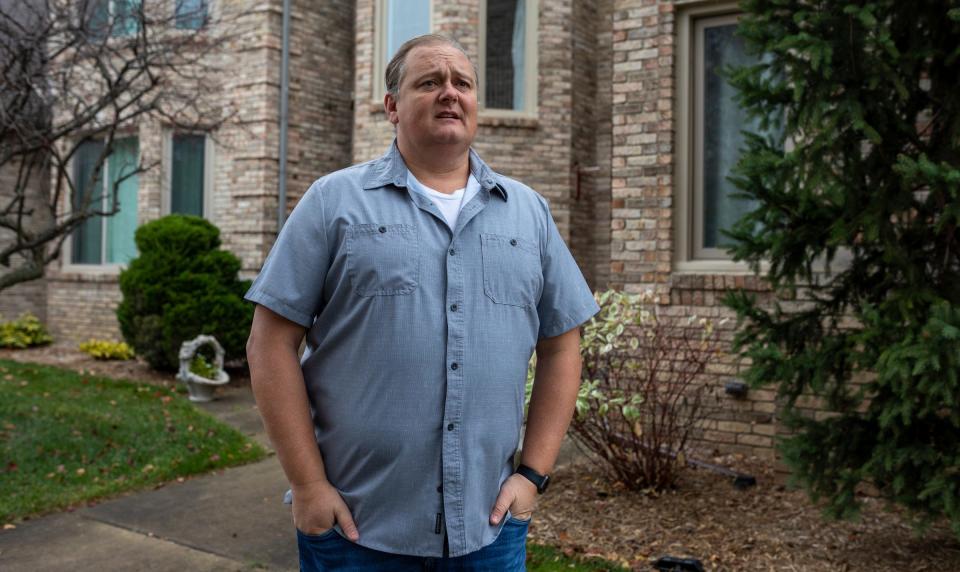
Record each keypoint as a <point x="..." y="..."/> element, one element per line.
<point x="545" y="483"/>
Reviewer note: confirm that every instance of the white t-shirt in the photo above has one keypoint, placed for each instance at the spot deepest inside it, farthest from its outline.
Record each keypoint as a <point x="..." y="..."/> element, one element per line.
<point x="448" y="203"/>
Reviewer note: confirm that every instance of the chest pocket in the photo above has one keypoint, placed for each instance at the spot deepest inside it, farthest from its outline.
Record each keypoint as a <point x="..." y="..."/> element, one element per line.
<point x="511" y="270"/>
<point x="383" y="259"/>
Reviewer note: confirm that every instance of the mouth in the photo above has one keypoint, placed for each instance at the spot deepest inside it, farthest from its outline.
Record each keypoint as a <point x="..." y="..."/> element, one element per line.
<point x="448" y="115"/>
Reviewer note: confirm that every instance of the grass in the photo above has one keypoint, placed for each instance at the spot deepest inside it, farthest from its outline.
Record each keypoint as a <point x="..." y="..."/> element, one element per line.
<point x="67" y="438"/>
<point x="542" y="558"/>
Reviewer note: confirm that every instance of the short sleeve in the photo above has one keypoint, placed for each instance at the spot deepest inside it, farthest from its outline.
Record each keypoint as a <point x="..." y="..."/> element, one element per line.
<point x="566" y="301"/>
<point x="291" y="280"/>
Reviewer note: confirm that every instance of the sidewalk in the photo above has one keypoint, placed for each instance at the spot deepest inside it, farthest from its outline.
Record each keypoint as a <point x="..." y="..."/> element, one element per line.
<point x="228" y="521"/>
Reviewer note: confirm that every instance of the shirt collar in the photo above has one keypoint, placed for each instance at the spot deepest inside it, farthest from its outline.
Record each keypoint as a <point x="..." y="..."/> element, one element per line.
<point x="391" y="170"/>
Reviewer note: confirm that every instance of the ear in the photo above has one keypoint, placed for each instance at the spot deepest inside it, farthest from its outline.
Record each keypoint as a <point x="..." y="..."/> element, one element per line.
<point x="390" y="106"/>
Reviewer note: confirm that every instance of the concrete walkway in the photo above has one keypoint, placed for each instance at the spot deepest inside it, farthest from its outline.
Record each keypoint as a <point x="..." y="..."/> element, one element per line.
<point x="233" y="520"/>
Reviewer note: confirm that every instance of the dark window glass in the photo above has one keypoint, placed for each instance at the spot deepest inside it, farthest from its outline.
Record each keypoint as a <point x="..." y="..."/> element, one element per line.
<point x="186" y="182"/>
<point x="504" y="58"/>
<point x="88" y="195"/>
<point x="191" y="14"/>
<point x="723" y="125"/>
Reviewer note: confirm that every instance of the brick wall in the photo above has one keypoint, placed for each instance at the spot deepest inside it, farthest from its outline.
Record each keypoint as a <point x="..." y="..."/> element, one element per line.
<point x="643" y="216"/>
<point x="590" y="189"/>
<point x="245" y="157"/>
<point x="26" y="296"/>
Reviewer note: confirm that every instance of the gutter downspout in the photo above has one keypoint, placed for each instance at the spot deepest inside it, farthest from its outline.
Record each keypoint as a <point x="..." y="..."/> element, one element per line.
<point x="284" y="93"/>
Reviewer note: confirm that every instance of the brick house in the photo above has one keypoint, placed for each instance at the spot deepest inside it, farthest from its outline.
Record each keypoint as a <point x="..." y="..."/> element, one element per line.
<point x="611" y="109"/>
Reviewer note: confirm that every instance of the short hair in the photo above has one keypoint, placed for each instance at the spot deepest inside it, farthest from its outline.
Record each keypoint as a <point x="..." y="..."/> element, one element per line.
<point x="397" y="67"/>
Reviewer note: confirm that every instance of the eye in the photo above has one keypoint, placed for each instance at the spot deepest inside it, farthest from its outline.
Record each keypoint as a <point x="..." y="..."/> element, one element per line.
<point x="428" y="83"/>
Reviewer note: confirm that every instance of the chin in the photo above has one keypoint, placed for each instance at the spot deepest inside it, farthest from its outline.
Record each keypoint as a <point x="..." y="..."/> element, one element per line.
<point x="452" y="138"/>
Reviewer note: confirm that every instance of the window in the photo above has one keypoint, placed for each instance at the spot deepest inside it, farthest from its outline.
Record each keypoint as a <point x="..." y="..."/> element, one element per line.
<point x="399" y="20"/>
<point x="188" y="174"/>
<point x="113" y="18"/>
<point x="508" y="55"/>
<point x="191" y="14"/>
<point x="106" y="240"/>
<point x="710" y="125"/>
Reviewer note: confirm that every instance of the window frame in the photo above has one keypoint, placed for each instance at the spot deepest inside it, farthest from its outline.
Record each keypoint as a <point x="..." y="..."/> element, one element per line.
<point x="166" y="195"/>
<point x="107" y="268"/>
<point x="531" y="72"/>
<point x="689" y="255"/>
<point x="380" y="60"/>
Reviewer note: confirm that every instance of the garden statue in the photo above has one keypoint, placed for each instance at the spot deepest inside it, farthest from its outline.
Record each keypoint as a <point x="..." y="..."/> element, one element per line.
<point x="200" y="375"/>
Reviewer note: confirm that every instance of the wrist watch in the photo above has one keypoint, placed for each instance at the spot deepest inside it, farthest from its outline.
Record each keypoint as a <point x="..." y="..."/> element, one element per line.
<point x="542" y="481"/>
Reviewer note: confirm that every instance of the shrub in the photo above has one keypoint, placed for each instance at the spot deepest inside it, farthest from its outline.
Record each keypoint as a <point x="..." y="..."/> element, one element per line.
<point x="182" y="285"/>
<point x="642" y="395"/>
<point x="107" y="349"/>
<point x="24" y="332"/>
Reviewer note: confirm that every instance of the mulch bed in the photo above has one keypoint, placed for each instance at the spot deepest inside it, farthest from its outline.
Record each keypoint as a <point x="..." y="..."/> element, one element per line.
<point x="764" y="528"/>
<point x="767" y="527"/>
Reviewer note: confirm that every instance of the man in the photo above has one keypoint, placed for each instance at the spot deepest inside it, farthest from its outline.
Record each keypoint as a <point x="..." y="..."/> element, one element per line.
<point x="423" y="282"/>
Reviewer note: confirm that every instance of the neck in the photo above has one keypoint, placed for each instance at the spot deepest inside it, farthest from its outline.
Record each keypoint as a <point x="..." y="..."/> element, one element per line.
<point x="444" y="168"/>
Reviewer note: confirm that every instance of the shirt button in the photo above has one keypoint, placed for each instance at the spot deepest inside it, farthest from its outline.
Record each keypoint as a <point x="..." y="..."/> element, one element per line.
<point x="452" y="252"/>
<point x="513" y="241"/>
<point x="450" y="427"/>
<point x="382" y="229"/>
<point x="453" y="307"/>
<point x="454" y="366"/>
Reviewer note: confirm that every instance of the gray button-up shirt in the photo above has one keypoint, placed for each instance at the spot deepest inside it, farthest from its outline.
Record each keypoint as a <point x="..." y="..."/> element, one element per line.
<point x="418" y="342"/>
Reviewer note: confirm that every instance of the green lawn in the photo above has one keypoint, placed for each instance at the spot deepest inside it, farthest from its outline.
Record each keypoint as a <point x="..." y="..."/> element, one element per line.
<point x="67" y="438"/>
<point x="542" y="558"/>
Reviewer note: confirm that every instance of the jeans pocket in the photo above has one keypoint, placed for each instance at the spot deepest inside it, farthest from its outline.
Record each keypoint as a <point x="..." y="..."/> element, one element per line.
<point x="383" y="259"/>
<point x="512" y="274"/>
<point x="327" y="534"/>
<point x="519" y="521"/>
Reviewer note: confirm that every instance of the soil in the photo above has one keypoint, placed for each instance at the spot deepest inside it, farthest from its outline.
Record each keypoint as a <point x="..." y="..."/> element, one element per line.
<point x="768" y="527"/>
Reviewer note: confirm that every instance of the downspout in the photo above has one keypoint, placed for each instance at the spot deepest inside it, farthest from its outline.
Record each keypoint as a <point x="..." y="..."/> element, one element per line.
<point x="284" y="94"/>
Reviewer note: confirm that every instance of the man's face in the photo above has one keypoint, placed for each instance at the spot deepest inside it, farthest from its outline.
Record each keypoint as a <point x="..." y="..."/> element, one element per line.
<point x="437" y="101"/>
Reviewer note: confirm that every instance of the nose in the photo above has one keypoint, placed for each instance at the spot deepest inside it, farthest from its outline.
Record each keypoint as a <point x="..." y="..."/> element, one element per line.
<point x="448" y="93"/>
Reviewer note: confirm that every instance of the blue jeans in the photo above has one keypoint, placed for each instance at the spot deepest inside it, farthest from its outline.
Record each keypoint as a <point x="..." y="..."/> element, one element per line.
<point x="330" y="552"/>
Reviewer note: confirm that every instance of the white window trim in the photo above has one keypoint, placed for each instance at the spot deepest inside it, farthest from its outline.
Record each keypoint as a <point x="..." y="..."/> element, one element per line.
<point x="688" y="258"/>
<point x="380" y="61"/>
<point x="104" y="268"/>
<point x="531" y="65"/>
<point x="166" y="196"/>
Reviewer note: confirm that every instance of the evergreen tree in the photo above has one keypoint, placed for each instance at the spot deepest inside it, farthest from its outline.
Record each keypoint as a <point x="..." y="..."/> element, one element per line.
<point x="867" y="93"/>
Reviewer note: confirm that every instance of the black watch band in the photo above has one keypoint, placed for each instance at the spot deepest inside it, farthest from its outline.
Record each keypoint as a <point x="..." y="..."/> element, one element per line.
<point x="541" y="481"/>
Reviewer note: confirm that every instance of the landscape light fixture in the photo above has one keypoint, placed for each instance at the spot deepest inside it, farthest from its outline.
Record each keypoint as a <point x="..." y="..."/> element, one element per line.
<point x="674" y="564"/>
<point x="736" y="388"/>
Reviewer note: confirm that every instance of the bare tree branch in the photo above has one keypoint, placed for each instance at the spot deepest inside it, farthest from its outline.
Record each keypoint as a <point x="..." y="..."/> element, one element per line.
<point x="75" y="71"/>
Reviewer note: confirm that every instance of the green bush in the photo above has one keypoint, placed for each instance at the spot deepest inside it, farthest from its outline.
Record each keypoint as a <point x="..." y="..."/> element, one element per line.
<point x="24" y="332"/>
<point x="106" y="349"/>
<point x="182" y="285"/>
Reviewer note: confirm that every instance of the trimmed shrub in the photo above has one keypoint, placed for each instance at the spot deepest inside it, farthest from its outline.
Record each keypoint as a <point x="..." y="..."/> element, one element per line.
<point x="24" y="332"/>
<point x="107" y="349"/>
<point x="182" y="285"/>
